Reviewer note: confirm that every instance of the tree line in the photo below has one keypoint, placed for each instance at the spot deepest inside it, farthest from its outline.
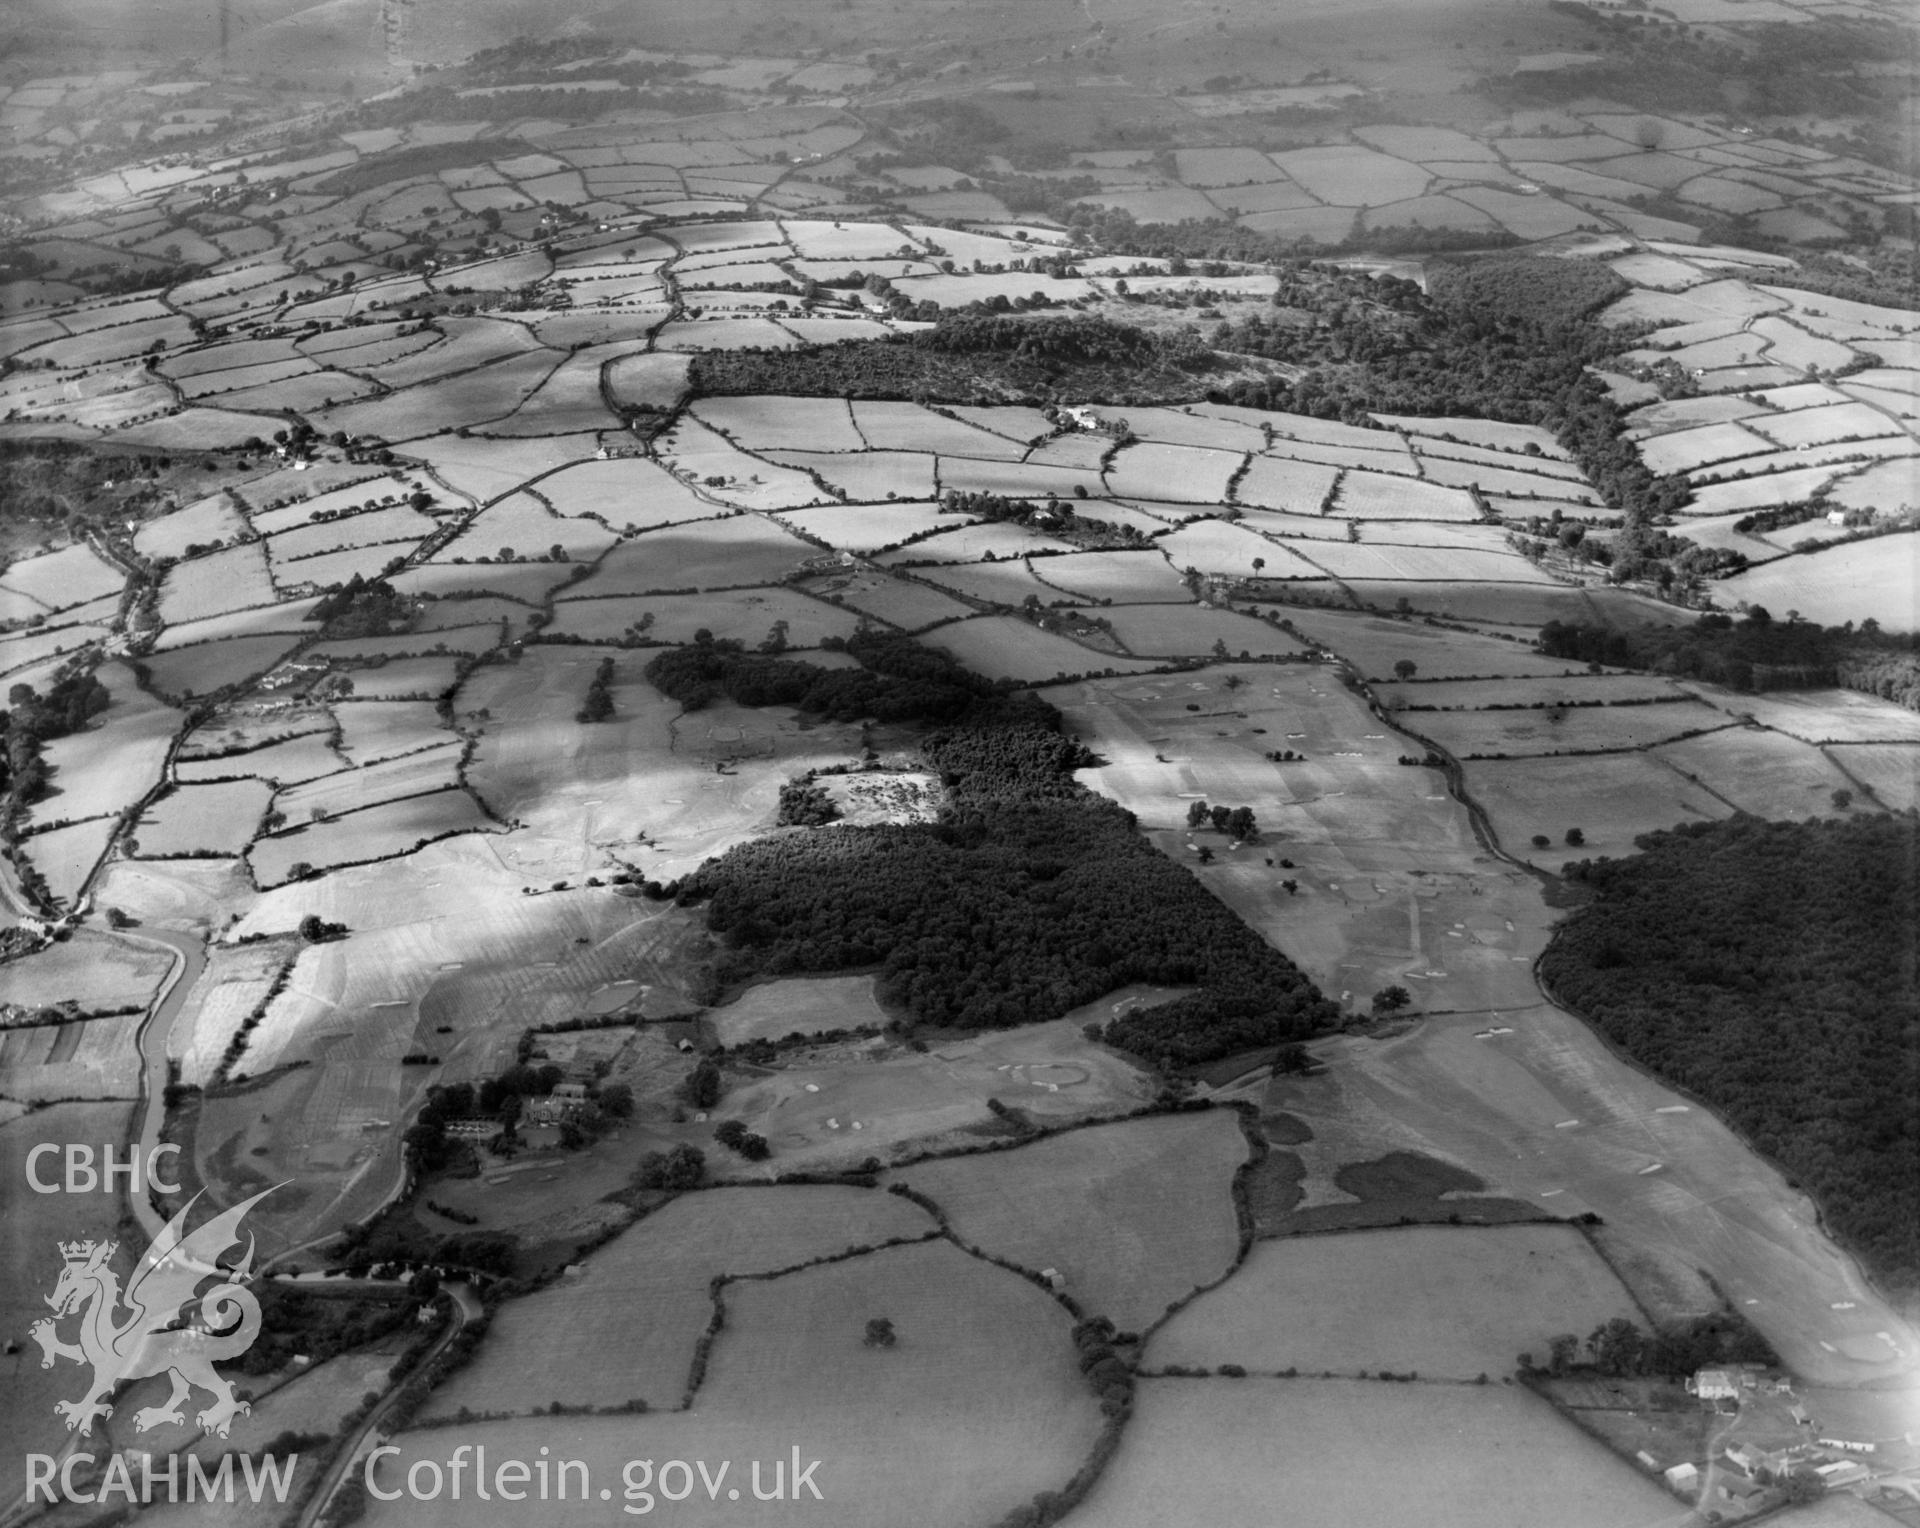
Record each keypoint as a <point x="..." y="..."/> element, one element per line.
<point x="1755" y="653"/>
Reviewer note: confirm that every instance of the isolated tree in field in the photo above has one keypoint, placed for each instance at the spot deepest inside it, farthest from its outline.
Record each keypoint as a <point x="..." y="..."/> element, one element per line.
<point x="1391" y="999"/>
<point x="1842" y="799"/>
<point x="1206" y="855"/>
<point x="1258" y="564"/>
<point x="1575" y="838"/>
<point x="702" y="1087"/>
<point x="880" y="1333"/>
<point x="1541" y="841"/>
<point x="1405" y="668"/>
<point x="1291" y="1060"/>
<point x="1196" y="814"/>
<point x="1562" y="1352"/>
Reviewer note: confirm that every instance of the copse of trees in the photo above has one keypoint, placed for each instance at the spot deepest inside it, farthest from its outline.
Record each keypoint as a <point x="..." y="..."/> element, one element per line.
<point x="1029" y="897"/>
<point x="1769" y="969"/>
<point x="32" y="718"/>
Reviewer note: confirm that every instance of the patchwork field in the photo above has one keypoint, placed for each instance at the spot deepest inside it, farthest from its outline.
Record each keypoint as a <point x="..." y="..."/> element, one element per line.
<point x="977" y="1408"/>
<point x="1133" y="1215"/>
<point x="634" y="1316"/>
<point x="1329" y="1453"/>
<point x="1445" y="1302"/>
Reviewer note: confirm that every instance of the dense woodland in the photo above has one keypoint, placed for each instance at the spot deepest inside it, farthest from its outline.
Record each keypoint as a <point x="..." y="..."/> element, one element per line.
<point x="1030" y="897"/>
<point x="1770" y="969"/>
<point x="1755" y="653"/>
<point x="74" y="698"/>
<point x="977" y="357"/>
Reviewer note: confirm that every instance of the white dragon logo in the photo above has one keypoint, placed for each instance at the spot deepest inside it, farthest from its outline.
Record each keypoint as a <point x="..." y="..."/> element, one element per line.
<point x="158" y="1337"/>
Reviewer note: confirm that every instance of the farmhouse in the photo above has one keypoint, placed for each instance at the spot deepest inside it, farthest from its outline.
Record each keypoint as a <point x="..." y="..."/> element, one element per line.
<point x="1715" y="1384"/>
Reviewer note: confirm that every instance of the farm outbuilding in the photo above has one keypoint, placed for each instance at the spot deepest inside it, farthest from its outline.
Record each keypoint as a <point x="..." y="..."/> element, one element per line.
<point x="1683" y="1477"/>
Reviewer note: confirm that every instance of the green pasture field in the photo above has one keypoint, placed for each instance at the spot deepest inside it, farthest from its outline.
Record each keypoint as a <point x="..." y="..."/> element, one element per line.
<point x="60" y="580"/>
<point x="1611" y="798"/>
<point x="1582" y="730"/>
<point x="91" y="1059"/>
<point x="868" y="528"/>
<point x="1373" y="496"/>
<point x="981" y="1356"/>
<point x="627" y="493"/>
<point x="203" y="819"/>
<point x="725" y="334"/>
<point x="411" y="774"/>
<point x="746" y="615"/>
<point x="425" y="678"/>
<point x="774" y="423"/>
<point x="730" y="474"/>
<point x="252" y="727"/>
<point x="1001" y="583"/>
<point x="377" y="832"/>
<point x="972" y="543"/>
<point x="1135" y="1215"/>
<point x="910" y="427"/>
<point x="570" y="398"/>
<point x="895" y="601"/>
<point x="329" y="568"/>
<point x="1016" y="480"/>
<point x="740" y="551"/>
<point x="1768" y="774"/>
<point x="651" y="381"/>
<point x="428" y="407"/>
<point x="375" y="730"/>
<point x="397" y="525"/>
<point x="867" y="476"/>
<point x="805" y="1004"/>
<point x="1824" y="716"/>
<point x="66" y="856"/>
<point x="1122" y="577"/>
<point x="1390" y="563"/>
<point x="94" y="970"/>
<point x="1174" y="631"/>
<point x="1445" y="1302"/>
<point x="1879" y="578"/>
<point x="1756" y="492"/>
<point x="1373" y="644"/>
<point x="1006" y="647"/>
<point x="1150" y="470"/>
<point x="211" y="666"/>
<point x="1457" y="474"/>
<point x="111" y="765"/>
<point x="1216" y="546"/>
<point x="524" y="525"/>
<point x="1487" y="433"/>
<point x="234" y="579"/>
<point x="1348" y="176"/>
<point x="1296" y="487"/>
<point x="627" y="1327"/>
<point x="1331" y="1453"/>
<point x="210" y="519"/>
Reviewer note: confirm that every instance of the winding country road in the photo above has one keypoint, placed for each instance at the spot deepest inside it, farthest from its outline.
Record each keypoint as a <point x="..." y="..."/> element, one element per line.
<point x="466" y="1307"/>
